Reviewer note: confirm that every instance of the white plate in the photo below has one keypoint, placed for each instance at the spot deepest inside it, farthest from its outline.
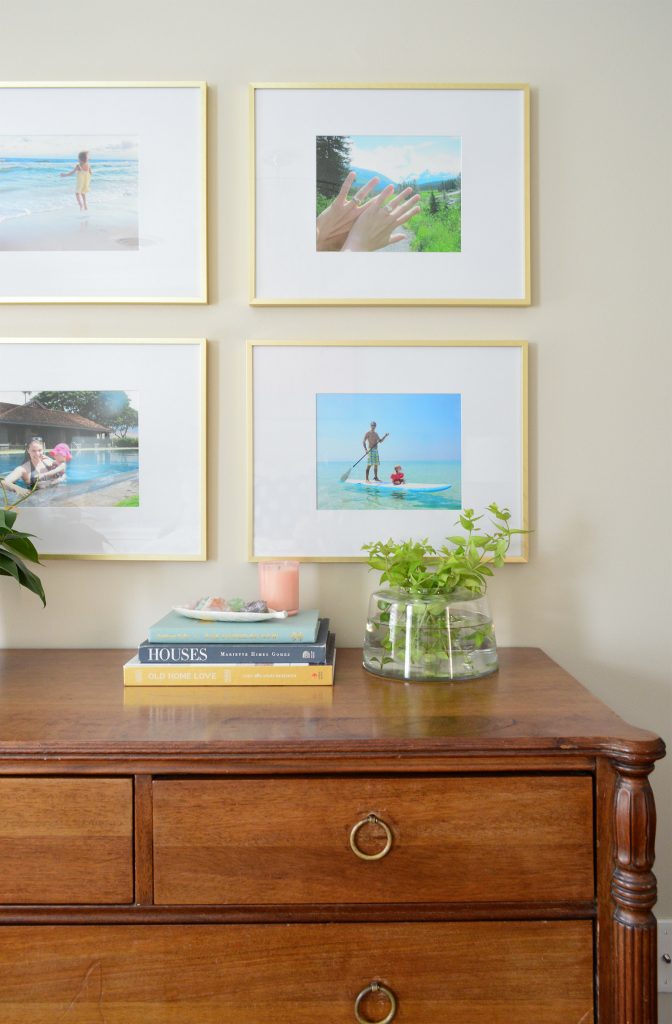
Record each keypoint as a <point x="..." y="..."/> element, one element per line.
<point x="210" y="616"/>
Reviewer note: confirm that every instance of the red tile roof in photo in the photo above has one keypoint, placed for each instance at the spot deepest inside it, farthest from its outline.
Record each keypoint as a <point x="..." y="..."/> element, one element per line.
<point x="33" y="414"/>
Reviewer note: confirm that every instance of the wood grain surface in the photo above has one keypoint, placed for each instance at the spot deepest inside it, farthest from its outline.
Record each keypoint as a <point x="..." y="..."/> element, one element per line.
<point x="66" y="840"/>
<point x="483" y="911"/>
<point x="71" y="703"/>
<point x="480" y="839"/>
<point x="480" y="973"/>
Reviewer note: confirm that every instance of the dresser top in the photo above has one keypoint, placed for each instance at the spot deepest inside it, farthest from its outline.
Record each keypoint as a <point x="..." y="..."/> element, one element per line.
<point x="72" y="703"/>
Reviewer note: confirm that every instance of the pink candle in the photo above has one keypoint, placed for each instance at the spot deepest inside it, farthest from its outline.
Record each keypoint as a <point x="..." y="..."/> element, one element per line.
<point x="279" y="585"/>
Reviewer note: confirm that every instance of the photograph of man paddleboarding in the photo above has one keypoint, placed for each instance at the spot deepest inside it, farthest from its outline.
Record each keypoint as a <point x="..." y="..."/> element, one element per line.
<point x="421" y="431"/>
<point x="371" y="443"/>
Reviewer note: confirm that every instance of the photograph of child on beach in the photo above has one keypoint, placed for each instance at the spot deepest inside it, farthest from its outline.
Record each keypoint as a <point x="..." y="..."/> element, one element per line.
<point x="389" y="193"/>
<point x="69" y="449"/>
<point x="380" y="452"/>
<point x="68" y="193"/>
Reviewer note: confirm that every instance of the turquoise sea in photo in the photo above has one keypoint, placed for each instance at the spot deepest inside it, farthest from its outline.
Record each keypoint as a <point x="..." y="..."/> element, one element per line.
<point x="31" y="185"/>
<point x="332" y="494"/>
<point x="39" y="211"/>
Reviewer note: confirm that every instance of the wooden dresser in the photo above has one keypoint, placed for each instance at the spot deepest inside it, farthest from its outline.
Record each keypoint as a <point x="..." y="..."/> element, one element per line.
<point x="477" y="853"/>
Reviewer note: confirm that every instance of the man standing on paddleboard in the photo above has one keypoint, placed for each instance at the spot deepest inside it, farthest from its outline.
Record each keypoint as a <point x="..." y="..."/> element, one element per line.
<point x="371" y="442"/>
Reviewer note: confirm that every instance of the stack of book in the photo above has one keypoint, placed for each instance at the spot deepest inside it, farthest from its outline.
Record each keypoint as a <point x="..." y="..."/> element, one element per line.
<point x="178" y="651"/>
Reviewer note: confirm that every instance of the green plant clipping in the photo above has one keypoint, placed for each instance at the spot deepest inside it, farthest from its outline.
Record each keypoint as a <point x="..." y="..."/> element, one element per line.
<point x="16" y="548"/>
<point x="464" y="563"/>
<point x="433" y="623"/>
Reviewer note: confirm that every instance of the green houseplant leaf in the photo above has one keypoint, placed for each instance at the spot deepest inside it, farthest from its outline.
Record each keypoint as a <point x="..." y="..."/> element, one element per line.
<point x="430" y="616"/>
<point x="16" y="548"/>
<point x="416" y="566"/>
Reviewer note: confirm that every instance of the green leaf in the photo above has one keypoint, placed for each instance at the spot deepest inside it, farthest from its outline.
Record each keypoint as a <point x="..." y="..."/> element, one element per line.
<point x="23" y="546"/>
<point x="33" y="583"/>
<point x="8" y="566"/>
<point x="7" y="517"/>
<point x="13" y="566"/>
<point x="377" y="563"/>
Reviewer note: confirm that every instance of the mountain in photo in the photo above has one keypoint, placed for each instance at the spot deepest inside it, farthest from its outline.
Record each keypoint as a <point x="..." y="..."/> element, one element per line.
<point x="364" y="175"/>
<point x="435" y="177"/>
<point x="425" y="180"/>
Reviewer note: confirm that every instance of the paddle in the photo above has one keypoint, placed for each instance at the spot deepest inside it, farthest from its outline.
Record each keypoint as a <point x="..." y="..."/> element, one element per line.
<point x="349" y="471"/>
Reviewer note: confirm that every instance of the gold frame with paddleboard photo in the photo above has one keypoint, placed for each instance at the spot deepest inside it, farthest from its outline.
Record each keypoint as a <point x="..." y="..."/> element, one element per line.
<point x="352" y="441"/>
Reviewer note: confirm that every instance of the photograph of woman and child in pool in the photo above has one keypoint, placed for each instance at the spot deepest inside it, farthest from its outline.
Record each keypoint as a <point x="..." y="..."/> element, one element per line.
<point x="69" y="448"/>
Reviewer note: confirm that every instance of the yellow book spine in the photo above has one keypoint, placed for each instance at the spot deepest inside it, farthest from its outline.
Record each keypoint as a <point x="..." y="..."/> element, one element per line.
<point x="228" y="675"/>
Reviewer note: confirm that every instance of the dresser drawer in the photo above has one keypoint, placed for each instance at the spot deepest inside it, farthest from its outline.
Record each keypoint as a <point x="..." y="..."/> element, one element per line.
<point x="485" y="973"/>
<point x="66" y="840"/>
<point x="459" y="839"/>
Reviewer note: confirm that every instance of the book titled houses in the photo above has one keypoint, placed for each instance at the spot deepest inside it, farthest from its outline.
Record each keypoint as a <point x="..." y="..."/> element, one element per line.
<point x="263" y="653"/>
<point x="232" y="674"/>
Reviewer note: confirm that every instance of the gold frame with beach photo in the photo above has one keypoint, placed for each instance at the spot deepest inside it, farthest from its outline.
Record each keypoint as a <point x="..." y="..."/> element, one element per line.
<point x="286" y="379"/>
<point x="487" y="264"/>
<point x="113" y="144"/>
<point x="167" y="519"/>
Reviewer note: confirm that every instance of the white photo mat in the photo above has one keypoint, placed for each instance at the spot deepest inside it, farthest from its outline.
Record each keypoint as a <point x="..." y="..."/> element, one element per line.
<point x="169" y="380"/>
<point x="493" y="266"/>
<point x="168" y="122"/>
<point x="283" y="381"/>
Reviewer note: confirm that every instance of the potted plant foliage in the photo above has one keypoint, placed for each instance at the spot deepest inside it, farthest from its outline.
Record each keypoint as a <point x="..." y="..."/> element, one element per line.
<point x="17" y="547"/>
<point x="432" y="620"/>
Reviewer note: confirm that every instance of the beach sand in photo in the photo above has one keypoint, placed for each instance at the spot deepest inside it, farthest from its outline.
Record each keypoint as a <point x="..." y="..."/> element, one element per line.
<point x="71" y="231"/>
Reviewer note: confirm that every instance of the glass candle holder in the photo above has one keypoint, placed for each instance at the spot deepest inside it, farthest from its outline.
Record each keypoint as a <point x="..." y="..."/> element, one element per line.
<point x="279" y="585"/>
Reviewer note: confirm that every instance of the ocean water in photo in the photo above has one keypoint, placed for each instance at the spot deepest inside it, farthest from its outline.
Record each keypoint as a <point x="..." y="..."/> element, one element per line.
<point x="40" y="213"/>
<point x="30" y="185"/>
<point x="335" y="495"/>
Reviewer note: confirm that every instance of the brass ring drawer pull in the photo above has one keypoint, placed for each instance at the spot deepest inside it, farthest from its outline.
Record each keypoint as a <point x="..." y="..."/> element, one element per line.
<point x="371" y="819"/>
<point x="375" y="986"/>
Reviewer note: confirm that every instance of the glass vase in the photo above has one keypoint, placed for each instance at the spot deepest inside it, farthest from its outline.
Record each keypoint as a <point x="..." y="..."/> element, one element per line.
<point x="442" y="637"/>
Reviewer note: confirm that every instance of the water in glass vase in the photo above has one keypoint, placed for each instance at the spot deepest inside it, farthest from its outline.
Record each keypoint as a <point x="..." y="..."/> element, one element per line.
<point x="441" y="637"/>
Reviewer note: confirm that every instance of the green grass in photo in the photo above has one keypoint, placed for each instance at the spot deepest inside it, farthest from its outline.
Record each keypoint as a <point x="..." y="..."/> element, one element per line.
<point x="132" y="502"/>
<point x="324" y="201"/>
<point x="438" y="226"/>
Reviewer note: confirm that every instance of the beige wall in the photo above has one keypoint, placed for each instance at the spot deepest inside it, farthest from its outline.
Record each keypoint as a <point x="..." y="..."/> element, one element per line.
<point x="596" y="593"/>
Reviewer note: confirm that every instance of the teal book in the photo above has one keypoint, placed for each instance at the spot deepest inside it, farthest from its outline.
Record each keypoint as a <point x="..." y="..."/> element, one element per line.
<point x="300" y="628"/>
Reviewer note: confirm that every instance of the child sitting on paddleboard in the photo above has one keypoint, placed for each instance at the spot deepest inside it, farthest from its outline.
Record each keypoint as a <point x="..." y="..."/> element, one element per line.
<point x="398" y="476"/>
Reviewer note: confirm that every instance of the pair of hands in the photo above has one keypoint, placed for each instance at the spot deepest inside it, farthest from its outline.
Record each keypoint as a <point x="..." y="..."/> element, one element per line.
<point x="352" y="225"/>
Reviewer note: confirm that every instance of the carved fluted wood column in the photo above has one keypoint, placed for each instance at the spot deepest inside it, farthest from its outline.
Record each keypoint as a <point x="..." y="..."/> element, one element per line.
<point x="633" y="889"/>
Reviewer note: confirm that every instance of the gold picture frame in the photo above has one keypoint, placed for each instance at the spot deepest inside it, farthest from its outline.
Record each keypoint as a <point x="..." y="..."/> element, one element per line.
<point x="283" y="475"/>
<point x="129" y="364"/>
<point x="287" y="182"/>
<point x="166" y="246"/>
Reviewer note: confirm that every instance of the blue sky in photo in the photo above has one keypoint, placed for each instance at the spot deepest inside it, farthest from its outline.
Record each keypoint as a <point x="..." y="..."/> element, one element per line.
<point x="424" y="427"/>
<point x="100" y="147"/>
<point x="407" y="156"/>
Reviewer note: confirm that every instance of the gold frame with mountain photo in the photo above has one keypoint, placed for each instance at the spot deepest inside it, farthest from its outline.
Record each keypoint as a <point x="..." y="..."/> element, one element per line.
<point x="390" y="195"/>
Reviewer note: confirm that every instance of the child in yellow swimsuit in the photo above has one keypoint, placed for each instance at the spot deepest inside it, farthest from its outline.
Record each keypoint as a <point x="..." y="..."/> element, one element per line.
<point x="83" y="171"/>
